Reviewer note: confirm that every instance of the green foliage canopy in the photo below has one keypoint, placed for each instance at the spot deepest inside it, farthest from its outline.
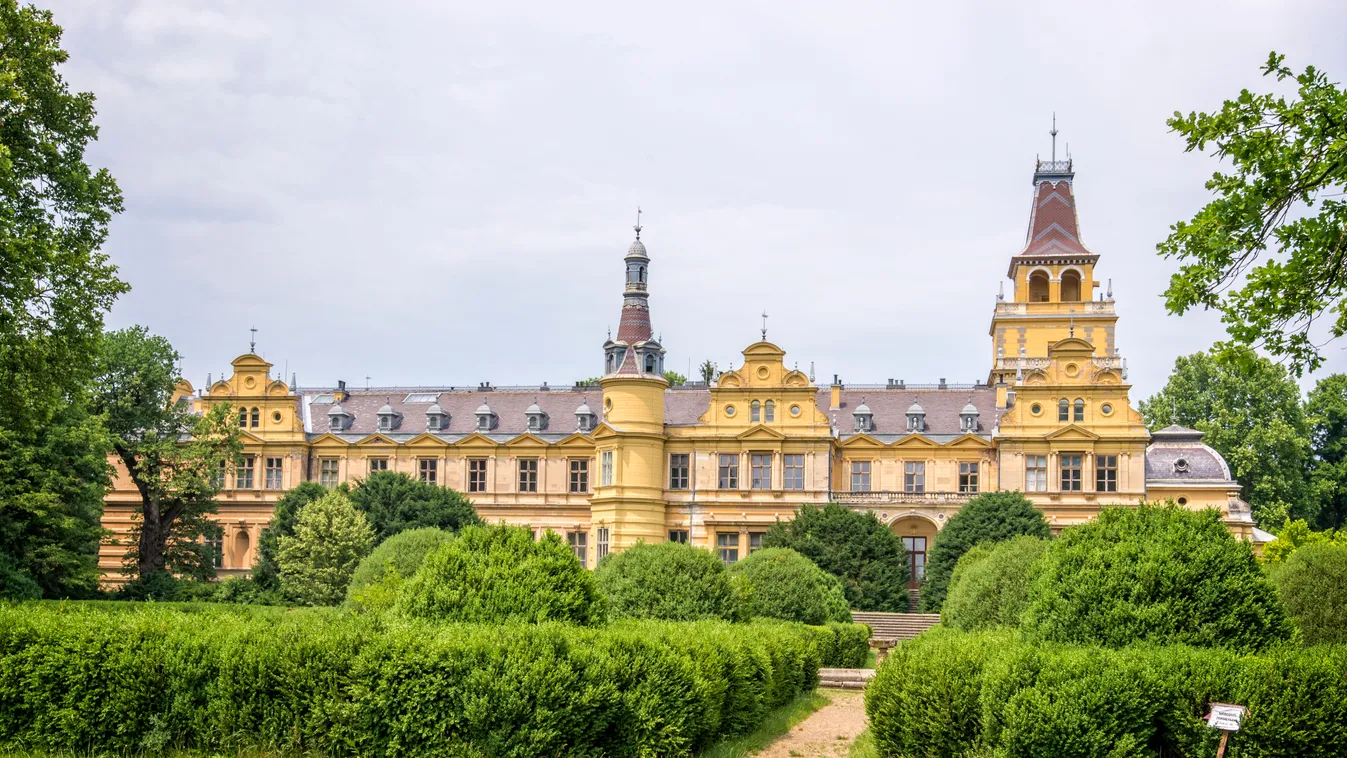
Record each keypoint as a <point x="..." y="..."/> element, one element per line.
<point x="990" y="585"/>
<point x="499" y="574"/>
<point x="330" y="538"/>
<point x="989" y="517"/>
<point x="1313" y="584"/>
<point x="376" y="581"/>
<point x="1326" y="411"/>
<point x="667" y="580"/>
<point x="1250" y="413"/>
<point x="779" y="583"/>
<point x="283" y="517"/>
<point x="852" y="546"/>
<point x="394" y="502"/>
<point x="1288" y="161"/>
<point x="1160" y="574"/>
<point x="1294" y="535"/>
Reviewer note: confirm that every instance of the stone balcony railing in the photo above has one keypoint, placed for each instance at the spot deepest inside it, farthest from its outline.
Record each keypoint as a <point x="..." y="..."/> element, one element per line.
<point x="1114" y="363"/>
<point x="886" y="497"/>
<point x="1087" y="307"/>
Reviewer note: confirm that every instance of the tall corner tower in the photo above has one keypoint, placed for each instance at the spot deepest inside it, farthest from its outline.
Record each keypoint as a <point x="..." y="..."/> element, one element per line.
<point x="1053" y="280"/>
<point x="629" y="497"/>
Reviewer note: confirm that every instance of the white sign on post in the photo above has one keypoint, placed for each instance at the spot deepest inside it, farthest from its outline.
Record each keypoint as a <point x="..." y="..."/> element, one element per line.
<point x="1225" y="717"/>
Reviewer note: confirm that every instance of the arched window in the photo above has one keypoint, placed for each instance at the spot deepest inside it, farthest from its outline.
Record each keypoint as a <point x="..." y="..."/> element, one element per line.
<point x="256" y="418"/>
<point x="1063" y="410"/>
<point x="610" y="363"/>
<point x="771" y="411"/>
<point x="1080" y="410"/>
<point x="642" y="273"/>
<point x="243" y="417"/>
<point x="1071" y="287"/>
<point x="755" y="411"/>
<point x="1038" y="287"/>
<point x="650" y="364"/>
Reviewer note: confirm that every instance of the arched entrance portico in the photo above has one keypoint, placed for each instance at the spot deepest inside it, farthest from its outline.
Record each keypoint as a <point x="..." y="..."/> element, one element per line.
<point x="917" y="533"/>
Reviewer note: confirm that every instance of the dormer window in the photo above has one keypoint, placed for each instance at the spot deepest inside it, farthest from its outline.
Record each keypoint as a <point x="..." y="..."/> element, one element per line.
<point x="864" y="418"/>
<point x="537" y="420"/>
<point x="584" y="418"/>
<point x="436" y="418"/>
<point x="338" y="419"/>
<point x="916" y="418"/>
<point x="968" y="418"/>
<point x="389" y="419"/>
<point x="649" y="363"/>
<point x="486" y="418"/>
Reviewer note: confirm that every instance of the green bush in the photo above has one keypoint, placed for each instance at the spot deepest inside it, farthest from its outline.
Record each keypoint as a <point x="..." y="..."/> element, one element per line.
<point x="667" y="580"/>
<point x="266" y="573"/>
<point x="1312" y="583"/>
<point x="989" y="517"/>
<point x="955" y="693"/>
<point x="853" y="546"/>
<point x="779" y="583"/>
<point x="14" y="583"/>
<point x="330" y="538"/>
<point x="246" y="591"/>
<point x="379" y="577"/>
<point x="159" y="586"/>
<point x="500" y="574"/>
<point x="1154" y="573"/>
<point x="229" y="679"/>
<point x="846" y="646"/>
<point x="396" y="502"/>
<point x="990" y="586"/>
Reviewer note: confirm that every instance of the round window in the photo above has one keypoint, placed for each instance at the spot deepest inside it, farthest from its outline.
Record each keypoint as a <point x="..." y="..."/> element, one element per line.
<point x="1183" y="501"/>
<point x="1035" y="409"/>
<point x="1106" y="409"/>
<point x="608" y="404"/>
<point x="1181" y="465"/>
<point x="276" y="416"/>
<point x="249" y="382"/>
<point x="762" y="372"/>
<point x="795" y="410"/>
<point x="729" y="410"/>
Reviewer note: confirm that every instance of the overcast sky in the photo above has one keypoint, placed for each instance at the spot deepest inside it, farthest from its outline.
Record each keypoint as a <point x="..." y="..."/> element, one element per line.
<point x="441" y="192"/>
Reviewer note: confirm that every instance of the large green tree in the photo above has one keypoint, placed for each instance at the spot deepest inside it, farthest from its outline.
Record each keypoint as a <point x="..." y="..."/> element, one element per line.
<point x="176" y="459"/>
<point x="55" y="286"/>
<point x="317" y="562"/>
<point x="989" y="517"/>
<point x="394" y="502"/>
<point x="1270" y="250"/>
<point x="1250" y="411"/>
<point x="283" y="518"/>
<point x="852" y="546"/>
<point x="1326" y="411"/>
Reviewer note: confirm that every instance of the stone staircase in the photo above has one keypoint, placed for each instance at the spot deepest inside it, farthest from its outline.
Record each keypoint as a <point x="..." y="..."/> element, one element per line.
<point x="896" y="626"/>
<point x="844" y="679"/>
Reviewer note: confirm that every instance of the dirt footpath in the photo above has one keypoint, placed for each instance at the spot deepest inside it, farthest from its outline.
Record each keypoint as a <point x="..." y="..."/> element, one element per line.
<point x="829" y="731"/>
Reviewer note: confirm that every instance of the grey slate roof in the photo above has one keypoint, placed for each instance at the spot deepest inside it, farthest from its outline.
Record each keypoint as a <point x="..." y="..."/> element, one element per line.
<point x="1177" y="454"/>
<point x="889" y="409"/>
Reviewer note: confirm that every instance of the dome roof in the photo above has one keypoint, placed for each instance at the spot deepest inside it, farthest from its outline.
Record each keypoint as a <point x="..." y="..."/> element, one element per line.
<point x="336" y="410"/>
<point x="970" y="408"/>
<point x="387" y="410"/>
<point x="435" y="410"/>
<point x="915" y="408"/>
<point x="862" y="408"/>
<point x="583" y="410"/>
<point x="483" y="409"/>
<point x="637" y="249"/>
<point x="532" y="409"/>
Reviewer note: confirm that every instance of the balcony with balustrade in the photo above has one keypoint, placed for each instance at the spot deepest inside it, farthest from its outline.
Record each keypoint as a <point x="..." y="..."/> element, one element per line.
<point x="1083" y="309"/>
<point x="890" y="497"/>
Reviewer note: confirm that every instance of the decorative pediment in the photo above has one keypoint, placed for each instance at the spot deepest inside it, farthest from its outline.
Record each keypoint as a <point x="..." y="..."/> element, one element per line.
<point x="730" y="379"/>
<point x="860" y="441"/>
<point x="278" y="389"/>
<point x="475" y="439"/>
<point x="426" y="439"/>
<point x="575" y="440"/>
<point x="1107" y="376"/>
<point x="969" y="441"/>
<point x="760" y="432"/>
<point x="915" y="440"/>
<point x="1070" y="345"/>
<point x="327" y="439"/>
<point x="795" y="379"/>
<point x="376" y="439"/>
<point x="603" y="431"/>
<point x="526" y="440"/>
<point x="1072" y="432"/>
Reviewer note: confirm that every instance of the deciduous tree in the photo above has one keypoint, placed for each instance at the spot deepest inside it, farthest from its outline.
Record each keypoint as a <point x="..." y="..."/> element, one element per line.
<point x="1270" y="250"/>
<point x="317" y="562"/>
<point x="1326" y="411"/>
<point x="852" y="546"/>
<point x="989" y="517"/>
<point x="283" y="517"/>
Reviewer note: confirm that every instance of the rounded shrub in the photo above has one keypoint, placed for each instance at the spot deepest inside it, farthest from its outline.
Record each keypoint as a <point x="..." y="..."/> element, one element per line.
<point x="1154" y="573"/>
<point x="14" y="583"/>
<point x="396" y="502"/>
<point x="494" y="574"/>
<point x="990" y="586"/>
<point x="667" y="580"/>
<point x="854" y="546"/>
<point x="376" y="580"/>
<point x="990" y="517"/>
<point x="330" y="538"/>
<point x="1312" y="583"/>
<point x="777" y="582"/>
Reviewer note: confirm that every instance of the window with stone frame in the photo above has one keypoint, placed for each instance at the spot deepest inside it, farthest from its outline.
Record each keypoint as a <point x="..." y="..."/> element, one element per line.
<point x="215" y="543"/>
<point x="1071" y="471"/>
<point x="217" y="477"/>
<point x="1063" y="410"/>
<point x="476" y="475"/>
<point x="755" y="541"/>
<point x="678" y="535"/>
<point x="727" y="543"/>
<point x="793" y="464"/>
<point x="1035" y="473"/>
<point x="579" y="479"/>
<point x="914" y="476"/>
<point x="760" y="470"/>
<point x="528" y="474"/>
<point x="678" y="471"/>
<point x="255" y="418"/>
<point x="860" y="476"/>
<point x="243" y="472"/>
<point x="378" y="464"/>
<point x="327" y="472"/>
<point x="1106" y="473"/>
<point x="729" y="471"/>
<point x="968" y="477"/>
<point x="429" y="470"/>
<point x="755" y="411"/>
<point x="606" y="468"/>
<point x="769" y="411"/>
<point x="243" y="417"/>
<point x="579" y="542"/>
<point x="601" y="537"/>
<point x="274" y="469"/>
<point x="1078" y="410"/>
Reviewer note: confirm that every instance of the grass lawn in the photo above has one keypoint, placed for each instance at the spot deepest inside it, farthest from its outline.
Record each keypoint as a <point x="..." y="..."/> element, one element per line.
<point x="776" y="724"/>
<point x="864" y="746"/>
<point x="869" y="660"/>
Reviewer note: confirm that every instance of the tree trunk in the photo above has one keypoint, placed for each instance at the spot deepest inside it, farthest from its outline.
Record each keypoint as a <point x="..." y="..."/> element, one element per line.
<point x="152" y="546"/>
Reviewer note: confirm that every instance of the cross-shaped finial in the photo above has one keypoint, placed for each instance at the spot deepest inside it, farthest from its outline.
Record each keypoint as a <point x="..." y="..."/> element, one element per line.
<point x="638" y="222"/>
<point x="1072" y="332"/>
<point x="764" y="325"/>
<point x="367" y="378"/>
<point x="252" y="342"/>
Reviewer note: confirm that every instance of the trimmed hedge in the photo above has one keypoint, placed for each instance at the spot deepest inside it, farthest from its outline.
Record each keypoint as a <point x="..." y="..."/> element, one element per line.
<point x="846" y="646"/>
<point x="990" y="586"/>
<point x="151" y="677"/>
<point x="1313" y="585"/>
<point x="955" y="693"/>
<point x="779" y="583"/>
<point x="667" y="580"/>
<point x="375" y="583"/>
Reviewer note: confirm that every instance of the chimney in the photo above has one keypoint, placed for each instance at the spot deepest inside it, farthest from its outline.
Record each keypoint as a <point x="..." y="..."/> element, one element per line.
<point x="835" y="395"/>
<point x="340" y="395"/>
<point x="1001" y="394"/>
<point x="942" y="383"/>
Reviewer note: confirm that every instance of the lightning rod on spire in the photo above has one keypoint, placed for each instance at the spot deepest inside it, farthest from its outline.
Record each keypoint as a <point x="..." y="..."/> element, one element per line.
<point x="638" y="222"/>
<point x="252" y="341"/>
<point x="1054" y="135"/>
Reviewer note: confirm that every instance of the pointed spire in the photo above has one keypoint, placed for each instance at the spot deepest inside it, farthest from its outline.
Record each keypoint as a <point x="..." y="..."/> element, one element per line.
<point x="1054" y="138"/>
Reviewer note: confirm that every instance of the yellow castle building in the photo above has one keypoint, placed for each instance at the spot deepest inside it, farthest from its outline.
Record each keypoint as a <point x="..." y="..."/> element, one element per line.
<point x="634" y="459"/>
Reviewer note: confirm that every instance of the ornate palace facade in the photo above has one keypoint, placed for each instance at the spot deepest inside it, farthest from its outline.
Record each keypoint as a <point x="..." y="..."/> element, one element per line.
<point x="633" y="458"/>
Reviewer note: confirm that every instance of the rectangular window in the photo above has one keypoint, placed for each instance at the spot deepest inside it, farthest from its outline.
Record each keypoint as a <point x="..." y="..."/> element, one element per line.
<point x="761" y="467"/>
<point x="729" y="472"/>
<point x="1071" y="473"/>
<point x="216" y="546"/>
<point x="755" y="540"/>
<point x="678" y="471"/>
<point x="860" y="476"/>
<point x="794" y="471"/>
<point x="914" y="476"/>
<point x="602" y="539"/>
<point x="968" y="477"/>
<point x="1106" y="473"/>
<point x="273" y="481"/>
<point x="327" y="472"/>
<point x="476" y="475"/>
<point x="1035" y="473"/>
<point x="1078" y="412"/>
<point x="243" y="475"/>
<point x="579" y="475"/>
<point x="528" y="474"/>
<point x="606" y="468"/>
<point x="678" y="535"/>
<point x="1063" y="410"/>
<point x="430" y="470"/>
<point x="217" y="479"/>
<point x="378" y="464"/>
<point x="728" y="545"/>
<point x="579" y="545"/>
<point x="916" y="558"/>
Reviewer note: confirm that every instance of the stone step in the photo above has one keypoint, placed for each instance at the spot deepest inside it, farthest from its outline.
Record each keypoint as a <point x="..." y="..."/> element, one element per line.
<point x="900" y="626"/>
<point x="844" y="679"/>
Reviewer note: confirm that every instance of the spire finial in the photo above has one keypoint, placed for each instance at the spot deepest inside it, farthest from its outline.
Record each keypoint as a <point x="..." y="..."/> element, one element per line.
<point x="764" y="326"/>
<point x="1072" y="327"/>
<point x="638" y="222"/>
<point x="1110" y="288"/>
<point x="1054" y="135"/>
<point x="367" y="378"/>
<point x="252" y="341"/>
